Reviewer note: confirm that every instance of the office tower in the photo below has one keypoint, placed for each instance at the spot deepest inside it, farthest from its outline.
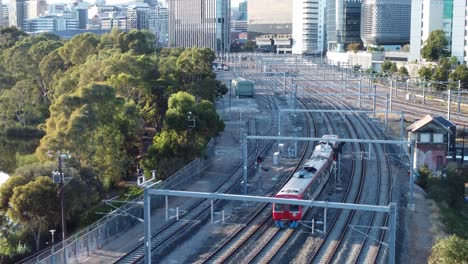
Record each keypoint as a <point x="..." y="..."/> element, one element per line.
<point x="308" y="26"/>
<point x="82" y="17"/>
<point x="1" y="14"/>
<point x="459" y="32"/>
<point x="35" y="8"/>
<point x="201" y="23"/>
<point x="151" y="3"/>
<point x="51" y="23"/>
<point x="17" y="13"/>
<point x="239" y="19"/>
<point x="162" y="27"/>
<point x="385" y="22"/>
<point x="5" y="15"/>
<point x="138" y="17"/>
<point x="269" y="16"/>
<point x="427" y="16"/>
<point x="343" y="23"/>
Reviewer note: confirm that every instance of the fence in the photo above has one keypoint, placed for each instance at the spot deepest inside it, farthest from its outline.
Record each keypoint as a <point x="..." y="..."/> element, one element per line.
<point x="80" y="245"/>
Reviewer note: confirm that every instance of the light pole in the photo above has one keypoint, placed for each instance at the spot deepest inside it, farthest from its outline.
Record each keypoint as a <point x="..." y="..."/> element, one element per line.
<point x="59" y="178"/>
<point x="52" y="231"/>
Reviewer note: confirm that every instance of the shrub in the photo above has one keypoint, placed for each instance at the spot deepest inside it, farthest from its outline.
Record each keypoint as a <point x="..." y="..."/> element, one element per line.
<point x="452" y="249"/>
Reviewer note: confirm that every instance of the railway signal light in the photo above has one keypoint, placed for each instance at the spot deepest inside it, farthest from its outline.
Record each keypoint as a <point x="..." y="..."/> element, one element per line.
<point x="259" y="160"/>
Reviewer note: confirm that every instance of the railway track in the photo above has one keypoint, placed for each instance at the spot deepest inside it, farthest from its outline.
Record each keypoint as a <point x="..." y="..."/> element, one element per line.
<point x="174" y="228"/>
<point x="330" y="257"/>
<point x="232" y="248"/>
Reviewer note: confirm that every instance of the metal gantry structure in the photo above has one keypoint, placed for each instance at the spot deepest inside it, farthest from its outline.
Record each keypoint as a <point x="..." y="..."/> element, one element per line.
<point x="390" y="209"/>
<point x="400" y="113"/>
<point x="404" y="143"/>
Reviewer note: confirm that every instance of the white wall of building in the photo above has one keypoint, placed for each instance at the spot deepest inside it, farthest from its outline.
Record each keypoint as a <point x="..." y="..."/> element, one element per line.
<point x="458" y="30"/>
<point x="426" y="16"/>
<point x="308" y="26"/>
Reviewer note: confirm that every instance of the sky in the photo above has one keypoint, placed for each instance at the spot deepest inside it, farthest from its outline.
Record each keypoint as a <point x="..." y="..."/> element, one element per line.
<point x="90" y="1"/>
<point x="111" y="2"/>
<point x="3" y="177"/>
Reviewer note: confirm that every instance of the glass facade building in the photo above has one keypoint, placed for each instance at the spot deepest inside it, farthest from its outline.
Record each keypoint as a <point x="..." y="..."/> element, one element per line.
<point x="385" y="22"/>
<point x="343" y="23"/>
<point x="200" y="23"/>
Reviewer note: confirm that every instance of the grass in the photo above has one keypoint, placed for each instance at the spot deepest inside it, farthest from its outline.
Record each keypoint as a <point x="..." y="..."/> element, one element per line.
<point x="455" y="220"/>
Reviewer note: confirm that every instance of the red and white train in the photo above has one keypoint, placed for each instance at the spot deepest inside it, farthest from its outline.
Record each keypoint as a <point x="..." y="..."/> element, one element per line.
<point x="306" y="183"/>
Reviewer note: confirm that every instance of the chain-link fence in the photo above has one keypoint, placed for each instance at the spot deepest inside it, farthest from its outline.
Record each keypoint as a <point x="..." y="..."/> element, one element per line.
<point x="80" y="245"/>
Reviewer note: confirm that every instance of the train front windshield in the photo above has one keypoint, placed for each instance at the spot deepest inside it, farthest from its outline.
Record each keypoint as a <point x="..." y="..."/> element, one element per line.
<point x="278" y="207"/>
<point x="294" y="208"/>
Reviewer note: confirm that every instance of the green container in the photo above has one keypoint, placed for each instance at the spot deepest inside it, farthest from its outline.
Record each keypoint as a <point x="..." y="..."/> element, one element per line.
<point x="242" y="87"/>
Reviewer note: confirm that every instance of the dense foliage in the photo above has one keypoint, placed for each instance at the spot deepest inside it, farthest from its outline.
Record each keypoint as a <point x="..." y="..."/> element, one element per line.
<point x="92" y="96"/>
<point x="435" y="46"/>
<point x="448" y="192"/>
<point x="450" y="250"/>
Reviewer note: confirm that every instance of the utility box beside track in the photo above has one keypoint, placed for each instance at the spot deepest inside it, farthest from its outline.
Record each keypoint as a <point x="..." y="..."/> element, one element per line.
<point x="243" y="87"/>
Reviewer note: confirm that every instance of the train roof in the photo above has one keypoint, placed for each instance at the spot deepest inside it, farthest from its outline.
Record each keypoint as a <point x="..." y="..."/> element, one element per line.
<point x="303" y="177"/>
<point x="330" y="139"/>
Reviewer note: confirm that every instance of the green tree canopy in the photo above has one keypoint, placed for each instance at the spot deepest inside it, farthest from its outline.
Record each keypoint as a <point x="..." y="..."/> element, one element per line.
<point x="35" y="205"/>
<point x="9" y="36"/>
<point x="77" y="49"/>
<point x="450" y="250"/>
<point x="94" y="125"/>
<point x="434" y="47"/>
<point x="425" y="72"/>
<point x="188" y="126"/>
<point x="249" y="46"/>
<point x="460" y="73"/>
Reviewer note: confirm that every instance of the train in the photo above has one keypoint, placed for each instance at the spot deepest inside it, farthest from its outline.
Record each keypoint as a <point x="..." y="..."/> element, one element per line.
<point x="306" y="183"/>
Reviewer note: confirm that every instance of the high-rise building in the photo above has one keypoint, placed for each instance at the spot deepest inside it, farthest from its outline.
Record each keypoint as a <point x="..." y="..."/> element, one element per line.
<point x="201" y="23"/>
<point x="427" y="16"/>
<point x="270" y="16"/>
<point x="1" y="14"/>
<point x="162" y="25"/>
<point x="17" y="13"/>
<point x="35" y="8"/>
<point x="5" y="15"/>
<point x="151" y="2"/>
<point x="459" y="44"/>
<point x="138" y="17"/>
<point x="109" y="23"/>
<point x="51" y="24"/>
<point x="385" y="22"/>
<point x="308" y="26"/>
<point x="343" y="23"/>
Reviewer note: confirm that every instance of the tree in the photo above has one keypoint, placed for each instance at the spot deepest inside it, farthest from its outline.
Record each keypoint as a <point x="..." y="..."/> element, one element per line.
<point x="96" y="127"/>
<point x="386" y="65"/>
<point x="441" y="74"/>
<point x="77" y="49"/>
<point x="141" y="42"/>
<point x="452" y="249"/>
<point x="460" y="73"/>
<point x="235" y="47"/>
<point x="354" y="47"/>
<point x="20" y="104"/>
<point x="184" y="137"/>
<point x="434" y="47"/>
<point x="249" y="46"/>
<point x="402" y="71"/>
<point x="9" y="36"/>
<point x="393" y="69"/>
<point x="425" y="72"/>
<point x="35" y="205"/>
